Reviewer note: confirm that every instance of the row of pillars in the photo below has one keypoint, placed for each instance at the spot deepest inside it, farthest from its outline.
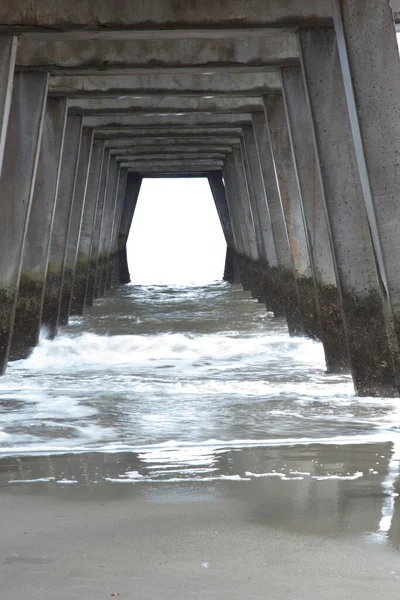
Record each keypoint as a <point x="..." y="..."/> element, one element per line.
<point x="66" y="207"/>
<point x="313" y="195"/>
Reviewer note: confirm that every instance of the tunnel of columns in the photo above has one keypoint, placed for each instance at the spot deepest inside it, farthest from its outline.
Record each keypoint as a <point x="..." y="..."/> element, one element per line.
<point x="290" y="109"/>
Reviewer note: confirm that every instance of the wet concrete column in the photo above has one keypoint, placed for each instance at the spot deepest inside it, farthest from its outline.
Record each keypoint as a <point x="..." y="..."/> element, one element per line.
<point x="286" y="285"/>
<point x="62" y="217"/>
<point x="132" y="190"/>
<point x="94" y="248"/>
<point x="318" y="232"/>
<point x="75" y="224"/>
<point x="109" y="205"/>
<point x="8" y="52"/>
<point x="372" y="88"/>
<point x="87" y="229"/>
<point x="269" y="263"/>
<point x="17" y="184"/>
<point x="370" y="349"/>
<point x="113" y="212"/>
<point x="217" y="187"/>
<point x="28" y="314"/>
<point x="113" y="268"/>
<point x="239" y="246"/>
<point x="292" y="210"/>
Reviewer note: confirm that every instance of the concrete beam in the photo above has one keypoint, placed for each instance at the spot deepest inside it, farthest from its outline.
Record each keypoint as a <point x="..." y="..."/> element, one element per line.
<point x="182" y="84"/>
<point x="171" y="120"/>
<point x="149" y="151"/>
<point x="147" y="167"/>
<point x="210" y="131"/>
<point x="148" y="159"/>
<point x="145" y="143"/>
<point x="103" y="17"/>
<point x="163" y="105"/>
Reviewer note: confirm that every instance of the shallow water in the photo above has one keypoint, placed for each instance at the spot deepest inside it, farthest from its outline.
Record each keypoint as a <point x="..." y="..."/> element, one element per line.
<point x="189" y="385"/>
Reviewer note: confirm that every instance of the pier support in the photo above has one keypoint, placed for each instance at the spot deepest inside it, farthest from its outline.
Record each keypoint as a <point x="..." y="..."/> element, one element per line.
<point x="62" y="217"/>
<point x="75" y="223"/>
<point x="132" y="190"/>
<point x="28" y="314"/>
<point x="285" y="286"/>
<point x="100" y="282"/>
<point x="17" y="184"/>
<point x="314" y="214"/>
<point x="8" y="53"/>
<point x="372" y="353"/>
<point x="87" y="229"/>
<point x="113" y="264"/>
<point x="221" y="204"/>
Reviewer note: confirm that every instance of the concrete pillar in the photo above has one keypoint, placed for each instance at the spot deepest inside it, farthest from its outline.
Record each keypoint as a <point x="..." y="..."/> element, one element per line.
<point x="87" y="229"/>
<point x="244" y="203"/>
<point x="314" y="213"/>
<point x="113" y="264"/>
<point x="285" y="285"/>
<point x="132" y="190"/>
<point x="221" y="204"/>
<point x="17" y="183"/>
<point x="8" y="52"/>
<point x="75" y="224"/>
<point x="372" y="352"/>
<point x="113" y="212"/>
<point x="109" y="205"/>
<point x="94" y="249"/>
<point x="62" y="217"/>
<point x="372" y="86"/>
<point x="238" y="243"/>
<point x="292" y="210"/>
<point x="239" y="229"/>
<point x="28" y="314"/>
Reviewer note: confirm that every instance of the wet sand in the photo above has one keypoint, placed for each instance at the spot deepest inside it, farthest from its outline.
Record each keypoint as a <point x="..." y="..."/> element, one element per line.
<point x="184" y="541"/>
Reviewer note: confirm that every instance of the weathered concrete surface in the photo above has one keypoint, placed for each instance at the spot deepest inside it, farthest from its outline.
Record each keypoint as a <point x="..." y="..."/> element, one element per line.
<point x="281" y="277"/>
<point x="28" y="313"/>
<point x="8" y="52"/>
<point x="104" y="18"/>
<point x="17" y="183"/>
<point x="132" y="190"/>
<point x="314" y="213"/>
<point x="374" y="111"/>
<point x="87" y="229"/>
<point x="370" y="350"/>
<point x="291" y="205"/>
<point x="109" y="204"/>
<point x="75" y="223"/>
<point x="217" y="187"/>
<point x="62" y="217"/>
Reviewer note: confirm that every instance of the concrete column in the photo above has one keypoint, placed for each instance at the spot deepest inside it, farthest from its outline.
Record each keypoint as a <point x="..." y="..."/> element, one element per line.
<point x="17" y="184"/>
<point x="87" y="229"/>
<point x="109" y="205"/>
<point x="132" y="190"/>
<point x="62" y="217"/>
<point x="371" y="77"/>
<point x="28" y="314"/>
<point x="372" y="352"/>
<point x="289" y="193"/>
<point x="94" y="249"/>
<point x="241" y="243"/>
<point x="285" y="287"/>
<point x="244" y="203"/>
<point x="314" y="213"/>
<point x="221" y="204"/>
<point x="113" y="264"/>
<point x="8" y="52"/>
<point x="236" y="230"/>
<point x="113" y="212"/>
<point x="75" y="224"/>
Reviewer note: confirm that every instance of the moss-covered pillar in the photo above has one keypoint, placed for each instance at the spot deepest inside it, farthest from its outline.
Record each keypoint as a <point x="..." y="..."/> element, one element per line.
<point x="17" y="183"/>
<point x="218" y="191"/>
<point x="289" y="297"/>
<point x="95" y="241"/>
<point x="28" y="314"/>
<point x="75" y="223"/>
<point x="112" y="265"/>
<point x="372" y="348"/>
<point x="62" y="216"/>
<point x="87" y="229"/>
<point x="109" y="207"/>
<point x="313" y="207"/>
<point x="132" y="190"/>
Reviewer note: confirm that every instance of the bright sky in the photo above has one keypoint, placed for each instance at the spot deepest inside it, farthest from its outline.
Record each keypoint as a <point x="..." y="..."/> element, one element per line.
<point x="176" y="236"/>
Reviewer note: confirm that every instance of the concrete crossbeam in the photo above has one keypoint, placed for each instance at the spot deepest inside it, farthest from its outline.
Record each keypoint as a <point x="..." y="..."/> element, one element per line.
<point x="144" y="144"/>
<point x="180" y="119"/>
<point x="148" y="151"/>
<point x="147" y="85"/>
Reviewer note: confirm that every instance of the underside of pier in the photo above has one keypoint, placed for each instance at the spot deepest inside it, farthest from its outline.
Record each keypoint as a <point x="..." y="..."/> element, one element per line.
<point x="291" y="109"/>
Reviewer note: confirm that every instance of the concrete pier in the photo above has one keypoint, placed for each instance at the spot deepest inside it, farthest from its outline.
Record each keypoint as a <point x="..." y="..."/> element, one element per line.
<point x="17" y="184"/>
<point x="35" y="259"/>
<point x="284" y="108"/>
